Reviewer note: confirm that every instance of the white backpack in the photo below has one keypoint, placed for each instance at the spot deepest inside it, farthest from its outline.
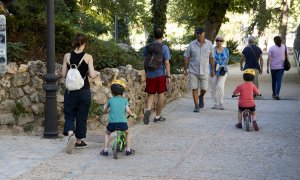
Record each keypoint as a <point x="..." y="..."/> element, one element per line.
<point x="74" y="80"/>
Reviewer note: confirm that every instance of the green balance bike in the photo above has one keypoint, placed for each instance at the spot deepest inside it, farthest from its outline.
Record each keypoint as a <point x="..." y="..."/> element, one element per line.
<point x="119" y="143"/>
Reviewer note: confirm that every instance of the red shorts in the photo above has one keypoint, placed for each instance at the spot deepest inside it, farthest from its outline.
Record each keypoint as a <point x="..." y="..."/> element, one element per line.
<point x="156" y="85"/>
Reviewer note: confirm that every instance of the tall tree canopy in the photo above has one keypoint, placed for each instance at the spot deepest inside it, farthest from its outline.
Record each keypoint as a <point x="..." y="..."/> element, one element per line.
<point x="207" y="13"/>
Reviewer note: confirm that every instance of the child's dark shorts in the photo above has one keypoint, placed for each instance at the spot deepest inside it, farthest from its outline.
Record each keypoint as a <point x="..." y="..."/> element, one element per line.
<point x="251" y="109"/>
<point x="111" y="127"/>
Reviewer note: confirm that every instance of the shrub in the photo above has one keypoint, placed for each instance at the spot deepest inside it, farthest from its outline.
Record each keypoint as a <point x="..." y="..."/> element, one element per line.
<point x="177" y="61"/>
<point x="109" y="54"/>
<point x="234" y="53"/>
<point x="15" y="51"/>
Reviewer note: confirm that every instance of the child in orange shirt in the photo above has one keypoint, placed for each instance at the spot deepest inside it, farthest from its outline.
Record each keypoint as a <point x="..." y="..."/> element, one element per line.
<point x="246" y="92"/>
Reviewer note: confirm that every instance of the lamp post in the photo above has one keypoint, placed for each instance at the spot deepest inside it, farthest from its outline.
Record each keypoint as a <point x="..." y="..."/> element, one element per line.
<point x="116" y="20"/>
<point x="50" y="126"/>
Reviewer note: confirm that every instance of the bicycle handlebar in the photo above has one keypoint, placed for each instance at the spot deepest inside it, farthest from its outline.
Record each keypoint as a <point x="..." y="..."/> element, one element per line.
<point x="236" y="95"/>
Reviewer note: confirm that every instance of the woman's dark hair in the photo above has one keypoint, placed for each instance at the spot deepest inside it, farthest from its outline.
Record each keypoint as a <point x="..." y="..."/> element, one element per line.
<point x="277" y="41"/>
<point x="158" y="33"/>
<point x="248" y="77"/>
<point x="79" y="39"/>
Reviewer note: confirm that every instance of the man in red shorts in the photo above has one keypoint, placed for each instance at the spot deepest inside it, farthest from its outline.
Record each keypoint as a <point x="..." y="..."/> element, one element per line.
<point x="157" y="75"/>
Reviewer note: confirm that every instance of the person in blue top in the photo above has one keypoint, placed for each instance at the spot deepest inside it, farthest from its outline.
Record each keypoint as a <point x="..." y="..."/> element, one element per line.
<point x="117" y="107"/>
<point x="157" y="79"/>
<point x="252" y="56"/>
<point x="221" y="56"/>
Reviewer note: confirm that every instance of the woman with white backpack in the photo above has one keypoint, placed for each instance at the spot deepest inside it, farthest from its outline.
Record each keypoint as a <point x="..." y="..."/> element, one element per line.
<point x="77" y="97"/>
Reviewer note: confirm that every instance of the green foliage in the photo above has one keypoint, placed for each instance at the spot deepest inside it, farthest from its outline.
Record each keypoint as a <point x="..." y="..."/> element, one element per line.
<point x="28" y="127"/>
<point x="15" y="51"/>
<point x="95" y="109"/>
<point x="109" y="54"/>
<point x="234" y="54"/>
<point x="18" y="109"/>
<point x="177" y="62"/>
<point x="63" y="37"/>
<point x="159" y="16"/>
<point x="193" y="13"/>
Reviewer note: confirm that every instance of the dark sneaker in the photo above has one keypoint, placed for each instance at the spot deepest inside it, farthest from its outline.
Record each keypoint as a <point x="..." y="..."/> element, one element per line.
<point x="71" y="144"/>
<point x="201" y="102"/>
<point x="277" y="97"/>
<point x="104" y="153"/>
<point x="131" y="152"/>
<point x="81" y="145"/>
<point x="238" y="125"/>
<point x="159" y="119"/>
<point x="255" y="126"/>
<point x="273" y="96"/>
<point x="196" y="109"/>
<point x="147" y="116"/>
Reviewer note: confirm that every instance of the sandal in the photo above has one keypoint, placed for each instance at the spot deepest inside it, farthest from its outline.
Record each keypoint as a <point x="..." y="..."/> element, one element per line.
<point x="131" y="152"/>
<point x="104" y="153"/>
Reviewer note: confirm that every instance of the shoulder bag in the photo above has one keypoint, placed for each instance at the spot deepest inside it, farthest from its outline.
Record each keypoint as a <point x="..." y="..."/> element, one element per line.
<point x="287" y="65"/>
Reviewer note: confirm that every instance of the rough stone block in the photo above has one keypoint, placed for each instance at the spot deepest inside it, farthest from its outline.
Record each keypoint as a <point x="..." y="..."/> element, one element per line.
<point x="7" y="119"/>
<point x="25" y="118"/>
<point x="21" y="79"/>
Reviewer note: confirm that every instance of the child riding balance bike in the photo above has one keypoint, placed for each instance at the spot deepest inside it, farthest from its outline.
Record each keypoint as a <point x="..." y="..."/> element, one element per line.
<point x="246" y="92"/>
<point x="117" y="107"/>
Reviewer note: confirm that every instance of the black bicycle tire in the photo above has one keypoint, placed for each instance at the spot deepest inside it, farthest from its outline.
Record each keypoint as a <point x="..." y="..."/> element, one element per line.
<point x="247" y="123"/>
<point x="115" y="149"/>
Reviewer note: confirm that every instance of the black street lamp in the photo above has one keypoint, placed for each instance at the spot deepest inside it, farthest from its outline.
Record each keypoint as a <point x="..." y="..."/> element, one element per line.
<point x="50" y="126"/>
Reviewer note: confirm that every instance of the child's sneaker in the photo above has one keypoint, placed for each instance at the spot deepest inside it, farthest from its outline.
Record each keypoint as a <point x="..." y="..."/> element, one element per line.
<point x="147" y="116"/>
<point x="239" y="125"/>
<point x="81" y="145"/>
<point x="104" y="153"/>
<point x="159" y="119"/>
<point x="255" y="126"/>
<point x="130" y="152"/>
<point x="71" y="144"/>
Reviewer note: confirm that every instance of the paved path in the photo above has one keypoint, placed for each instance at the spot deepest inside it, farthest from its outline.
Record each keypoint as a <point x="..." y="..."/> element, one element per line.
<point x="188" y="145"/>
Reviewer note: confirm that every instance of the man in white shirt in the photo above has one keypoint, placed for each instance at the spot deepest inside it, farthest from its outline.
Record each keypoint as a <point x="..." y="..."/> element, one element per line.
<point x="197" y="58"/>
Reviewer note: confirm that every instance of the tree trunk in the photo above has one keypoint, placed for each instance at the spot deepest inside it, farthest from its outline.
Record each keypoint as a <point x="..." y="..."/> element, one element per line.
<point x="284" y="20"/>
<point x="297" y="39"/>
<point x="159" y="17"/>
<point x="214" y="21"/>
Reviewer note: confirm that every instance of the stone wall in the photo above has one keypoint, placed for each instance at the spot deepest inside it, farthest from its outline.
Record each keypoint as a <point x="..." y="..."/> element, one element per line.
<point x="22" y="95"/>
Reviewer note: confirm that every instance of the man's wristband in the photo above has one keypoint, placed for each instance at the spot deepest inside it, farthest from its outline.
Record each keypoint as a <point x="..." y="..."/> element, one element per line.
<point x="167" y="76"/>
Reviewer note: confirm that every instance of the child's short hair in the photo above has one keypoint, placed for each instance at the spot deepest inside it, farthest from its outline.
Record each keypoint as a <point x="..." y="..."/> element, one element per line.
<point x="249" y="75"/>
<point x="117" y="87"/>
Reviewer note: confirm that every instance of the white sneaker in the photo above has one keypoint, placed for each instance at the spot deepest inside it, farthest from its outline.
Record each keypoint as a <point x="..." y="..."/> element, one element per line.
<point x="71" y="144"/>
<point x="215" y="107"/>
<point x="221" y="107"/>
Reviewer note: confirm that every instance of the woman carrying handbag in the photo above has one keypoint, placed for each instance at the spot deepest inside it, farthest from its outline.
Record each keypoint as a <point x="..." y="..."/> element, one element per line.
<point x="277" y="56"/>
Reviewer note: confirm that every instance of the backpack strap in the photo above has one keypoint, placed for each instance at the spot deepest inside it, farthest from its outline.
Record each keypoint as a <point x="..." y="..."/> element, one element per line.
<point x="69" y="57"/>
<point x="81" y="60"/>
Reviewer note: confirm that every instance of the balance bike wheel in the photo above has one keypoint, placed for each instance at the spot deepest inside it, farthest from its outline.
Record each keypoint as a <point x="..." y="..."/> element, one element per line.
<point x="115" y="149"/>
<point x="247" y="123"/>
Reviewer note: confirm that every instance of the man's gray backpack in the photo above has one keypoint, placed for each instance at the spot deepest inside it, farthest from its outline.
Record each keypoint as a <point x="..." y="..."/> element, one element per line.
<point x="74" y="80"/>
<point x="154" y="59"/>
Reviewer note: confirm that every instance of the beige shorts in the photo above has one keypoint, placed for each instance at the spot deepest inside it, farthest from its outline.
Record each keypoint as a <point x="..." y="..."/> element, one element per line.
<point x="198" y="80"/>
